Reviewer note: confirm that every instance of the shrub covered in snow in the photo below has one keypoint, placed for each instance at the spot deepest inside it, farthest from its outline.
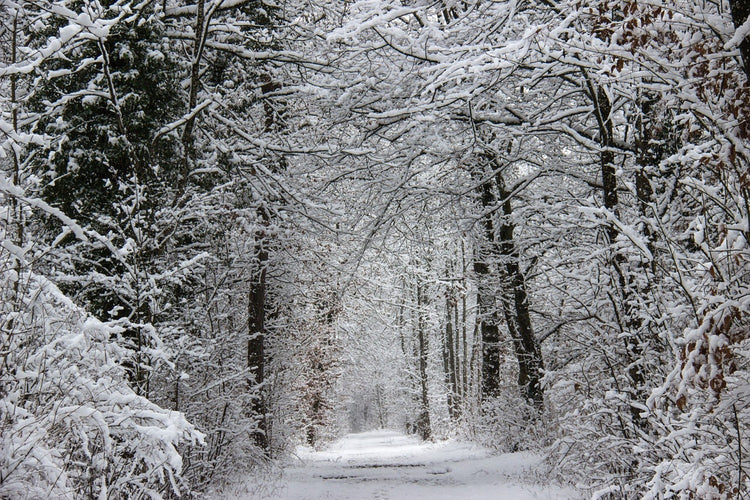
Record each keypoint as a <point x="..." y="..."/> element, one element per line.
<point x="70" y="426"/>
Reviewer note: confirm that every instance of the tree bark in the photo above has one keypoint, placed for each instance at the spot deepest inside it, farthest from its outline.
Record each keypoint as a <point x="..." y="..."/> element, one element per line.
<point x="457" y="357"/>
<point x="424" y="427"/>
<point x="195" y="75"/>
<point x="409" y="356"/>
<point x="514" y="300"/>
<point x="632" y="319"/>
<point x="528" y="351"/>
<point x="486" y="303"/>
<point x="464" y="340"/>
<point x="449" y="358"/>
<point x="256" y="341"/>
<point x="16" y="210"/>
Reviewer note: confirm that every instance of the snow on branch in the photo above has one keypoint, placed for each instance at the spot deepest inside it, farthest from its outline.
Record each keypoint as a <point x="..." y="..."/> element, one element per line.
<point x="9" y="189"/>
<point x="80" y="25"/>
<point x="71" y="422"/>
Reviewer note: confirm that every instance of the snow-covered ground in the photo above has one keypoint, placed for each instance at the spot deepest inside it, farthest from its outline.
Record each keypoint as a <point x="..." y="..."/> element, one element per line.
<point x="388" y="465"/>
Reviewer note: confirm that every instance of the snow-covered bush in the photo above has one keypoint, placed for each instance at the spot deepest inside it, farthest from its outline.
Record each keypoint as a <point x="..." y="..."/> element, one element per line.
<point x="506" y="422"/>
<point x="70" y="426"/>
<point x="702" y="407"/>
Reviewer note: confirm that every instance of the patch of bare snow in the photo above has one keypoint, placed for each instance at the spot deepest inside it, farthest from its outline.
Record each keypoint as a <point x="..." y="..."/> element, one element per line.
<point x="385" y="464"/>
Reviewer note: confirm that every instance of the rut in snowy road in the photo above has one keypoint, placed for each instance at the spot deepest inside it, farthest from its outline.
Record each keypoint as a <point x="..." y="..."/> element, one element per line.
<point x="388" y="465"/>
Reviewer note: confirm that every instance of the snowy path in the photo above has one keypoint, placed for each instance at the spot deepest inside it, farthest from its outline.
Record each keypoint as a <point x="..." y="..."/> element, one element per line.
<point x="383" y="465"/>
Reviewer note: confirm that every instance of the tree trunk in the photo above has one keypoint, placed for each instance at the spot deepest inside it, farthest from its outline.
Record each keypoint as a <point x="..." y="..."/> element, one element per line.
<point x="528" y="351"/>
<point x="258" y="297"/>
<point x="409" y="356"/>
<point x="464" y="340"/>
<point x="486" y="304"/>
<point x="632" y="319"/>
<point x="449" y="359"/>
<point x="15" y="206"/>
<point x="256" y="341"/>
<point x="514" y="303"/>
<point x="424" y="428"/>
<point x="457" y="357"/>
<point x="195" y="76"/>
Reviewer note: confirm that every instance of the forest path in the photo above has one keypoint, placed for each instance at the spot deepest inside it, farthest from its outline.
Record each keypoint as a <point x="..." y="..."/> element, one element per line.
<point x="384" y="464"/>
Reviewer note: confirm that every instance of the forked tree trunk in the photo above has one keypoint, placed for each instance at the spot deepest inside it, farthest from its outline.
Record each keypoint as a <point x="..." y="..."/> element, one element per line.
<point x="527" y="349"/>
<point x="514" y="300"/>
